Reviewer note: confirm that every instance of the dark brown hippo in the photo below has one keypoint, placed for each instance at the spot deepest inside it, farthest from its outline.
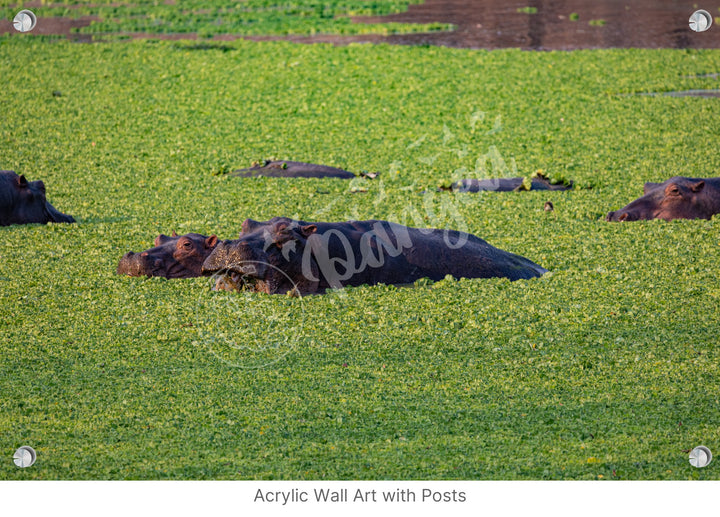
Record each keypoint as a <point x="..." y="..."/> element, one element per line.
<point x="507" y="185"/>
<point x="24" y="202"/>
<point x="676" y="198"/>
<point x="283" y="255"/>
<point x="290" y="169"/>
<point x="172" y="257"/>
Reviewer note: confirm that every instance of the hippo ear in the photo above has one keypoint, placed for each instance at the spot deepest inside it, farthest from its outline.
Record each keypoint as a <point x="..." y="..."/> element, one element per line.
<point x="280" y="233"/>
<point x="308" y="230"/>
<point x="249" y="225"/>
<point x="174" y="234"/>
<point x="649" y="186"/>
<point x="284" y="232"/>
<point x="211" y="241"/>
<point x="161" y="239"/>
<point x="697" y="187"/>
<point x="21" y="181"/>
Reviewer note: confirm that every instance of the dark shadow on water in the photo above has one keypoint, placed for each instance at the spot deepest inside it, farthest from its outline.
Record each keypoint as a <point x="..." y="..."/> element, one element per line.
<point x="536" y="25"/>
<point x="685" y="93"/>
<point x="96" y="220"/>
<point x="702" y="76"/>
<point x="205" y="46"/>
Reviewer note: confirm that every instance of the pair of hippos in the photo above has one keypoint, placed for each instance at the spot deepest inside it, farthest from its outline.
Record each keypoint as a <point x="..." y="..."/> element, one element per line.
<point x="282" y="255"/>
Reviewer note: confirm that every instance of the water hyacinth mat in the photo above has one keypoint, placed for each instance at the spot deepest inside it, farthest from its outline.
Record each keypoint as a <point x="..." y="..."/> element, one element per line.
<point x="605" y="369"/>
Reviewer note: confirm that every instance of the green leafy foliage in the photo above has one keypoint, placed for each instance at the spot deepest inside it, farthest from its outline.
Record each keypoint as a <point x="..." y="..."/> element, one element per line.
<point x="208" y="18"/>
<point x="556" y="179"/>
<point x="606" y="368"/>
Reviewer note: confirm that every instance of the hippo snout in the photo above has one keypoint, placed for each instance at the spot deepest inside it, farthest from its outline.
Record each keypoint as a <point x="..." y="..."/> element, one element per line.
<point x="209" y="268"/>
<point x="64" y="218"/>
<point x="139" y="264"/>
<point x="128" y="265"/>
<point x="56" y="216"/>
<point x="125" y="264"/>
<point x="217" y="260"/>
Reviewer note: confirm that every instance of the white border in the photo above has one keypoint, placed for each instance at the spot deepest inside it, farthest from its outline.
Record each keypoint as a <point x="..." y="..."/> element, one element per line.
<point x="235" y="498"/>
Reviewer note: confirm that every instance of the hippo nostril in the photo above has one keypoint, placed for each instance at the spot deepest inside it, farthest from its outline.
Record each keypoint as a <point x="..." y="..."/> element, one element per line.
<point x="610" y="216"/>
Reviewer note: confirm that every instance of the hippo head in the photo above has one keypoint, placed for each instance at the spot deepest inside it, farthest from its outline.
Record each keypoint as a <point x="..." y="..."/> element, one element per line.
<point x="676" y="198"/>
<point x="267" y="257"/>
<point x="172" y="257"/>
<point x="24" y="202"/>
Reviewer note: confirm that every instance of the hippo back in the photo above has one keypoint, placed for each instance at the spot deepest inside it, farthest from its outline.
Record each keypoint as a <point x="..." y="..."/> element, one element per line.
<point x="291" y="169"/>
<point x="507" y="185"/>
<point x="321" y="255"/>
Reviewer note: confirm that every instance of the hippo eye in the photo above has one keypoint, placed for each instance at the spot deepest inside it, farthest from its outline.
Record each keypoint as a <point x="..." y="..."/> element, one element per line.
<point x="187" y="245"/>
<point x="674" y="191"/>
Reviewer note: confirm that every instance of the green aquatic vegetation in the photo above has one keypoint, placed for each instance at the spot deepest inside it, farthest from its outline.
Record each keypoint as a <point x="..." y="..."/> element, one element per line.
<point x="208" y="18"/>
<point x="556" y="179"/>
<point x="594" y="371"/>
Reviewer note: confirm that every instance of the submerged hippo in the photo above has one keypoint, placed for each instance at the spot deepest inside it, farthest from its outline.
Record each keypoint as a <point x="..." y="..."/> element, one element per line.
<point x="507" y="185"/>
<point x="24" y="202"/>
<point x="676" y="198"/>
<point x="283" y="255"/>
<point x="289" y="169"/>
<point x="172" y="257"/>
